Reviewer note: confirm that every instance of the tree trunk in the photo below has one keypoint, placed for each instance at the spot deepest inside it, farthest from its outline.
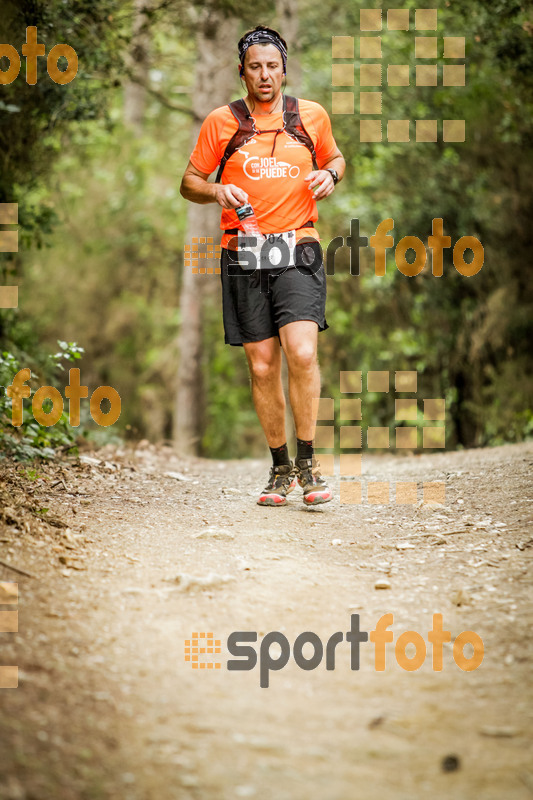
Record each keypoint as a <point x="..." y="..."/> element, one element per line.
<point x="287" y="14"/>
<point x="214" y="82"/>
<point x="138" y="64"/>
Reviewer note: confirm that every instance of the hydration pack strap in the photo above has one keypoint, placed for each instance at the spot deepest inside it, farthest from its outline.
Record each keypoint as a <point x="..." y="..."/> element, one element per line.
<point x="292" y="125"/>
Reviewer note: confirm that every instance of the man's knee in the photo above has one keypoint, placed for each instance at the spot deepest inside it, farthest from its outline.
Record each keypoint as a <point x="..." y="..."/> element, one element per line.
<point x="264" y="364"/>
<point x="302" y="356"/>
<point x="261" y="370"/>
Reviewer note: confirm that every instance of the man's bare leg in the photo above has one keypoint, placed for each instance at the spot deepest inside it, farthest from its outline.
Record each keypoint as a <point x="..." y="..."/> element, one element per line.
<point x="299" y="340"/>
<point x="264" y="362"/>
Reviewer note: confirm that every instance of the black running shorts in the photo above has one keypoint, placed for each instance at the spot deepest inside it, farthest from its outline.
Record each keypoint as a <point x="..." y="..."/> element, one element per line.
<point x="257" y="304"/>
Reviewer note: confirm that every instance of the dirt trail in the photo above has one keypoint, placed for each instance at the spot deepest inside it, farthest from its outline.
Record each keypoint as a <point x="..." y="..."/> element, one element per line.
<point x="107" y="707"/>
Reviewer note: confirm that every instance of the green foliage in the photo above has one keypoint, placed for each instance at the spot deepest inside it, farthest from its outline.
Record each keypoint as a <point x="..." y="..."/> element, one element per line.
<point x="36" y="120"/>
<point x="29" y="474"/>
<point x="117" y="266"/>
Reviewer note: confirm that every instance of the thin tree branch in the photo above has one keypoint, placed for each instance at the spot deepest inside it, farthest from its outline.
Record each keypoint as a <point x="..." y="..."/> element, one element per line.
<point x="165" y="101"/>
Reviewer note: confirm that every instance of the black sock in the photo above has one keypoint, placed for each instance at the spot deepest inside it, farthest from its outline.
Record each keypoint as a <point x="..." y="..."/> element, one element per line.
<point x="304" y="449"/>
<point x="280" y="455"/>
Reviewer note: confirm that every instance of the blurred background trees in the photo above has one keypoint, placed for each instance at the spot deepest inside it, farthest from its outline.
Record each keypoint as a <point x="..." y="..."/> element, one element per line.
<point x="95" y="168"/>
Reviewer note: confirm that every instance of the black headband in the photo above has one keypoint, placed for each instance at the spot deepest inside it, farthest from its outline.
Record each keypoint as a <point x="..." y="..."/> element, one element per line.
<point x="263" y="37"/>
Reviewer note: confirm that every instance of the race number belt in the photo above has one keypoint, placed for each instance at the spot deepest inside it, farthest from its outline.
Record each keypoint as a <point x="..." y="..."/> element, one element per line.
<point x="276" y="251"/>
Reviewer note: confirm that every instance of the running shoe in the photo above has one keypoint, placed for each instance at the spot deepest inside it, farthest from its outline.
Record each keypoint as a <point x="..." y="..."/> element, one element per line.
<point x="313" y="484"/>
<point x="281" y="481"/>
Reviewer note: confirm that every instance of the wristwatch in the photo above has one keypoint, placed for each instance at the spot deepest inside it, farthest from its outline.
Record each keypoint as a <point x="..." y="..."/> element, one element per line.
<point x="334" y="175"/>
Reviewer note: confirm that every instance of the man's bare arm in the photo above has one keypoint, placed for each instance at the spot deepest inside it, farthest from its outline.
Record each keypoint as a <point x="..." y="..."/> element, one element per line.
<point x="337" y="163"/>
<point x="194" y="187"/>
<point x="320" y="181"/>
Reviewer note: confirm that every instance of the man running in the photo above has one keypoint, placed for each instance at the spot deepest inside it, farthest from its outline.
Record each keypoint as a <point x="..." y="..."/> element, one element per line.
<point x="277" y="153"/>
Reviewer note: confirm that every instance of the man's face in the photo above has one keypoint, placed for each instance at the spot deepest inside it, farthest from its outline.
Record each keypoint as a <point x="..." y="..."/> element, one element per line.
<point x="263" y="71"/>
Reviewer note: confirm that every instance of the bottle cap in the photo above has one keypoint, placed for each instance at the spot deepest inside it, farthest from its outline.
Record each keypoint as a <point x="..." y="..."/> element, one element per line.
<point x="244" y="211"/>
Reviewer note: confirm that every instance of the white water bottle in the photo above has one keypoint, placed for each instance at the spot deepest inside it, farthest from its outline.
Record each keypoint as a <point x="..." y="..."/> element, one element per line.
<point x="251" y="230"/>
<point x="249" y="222"/>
